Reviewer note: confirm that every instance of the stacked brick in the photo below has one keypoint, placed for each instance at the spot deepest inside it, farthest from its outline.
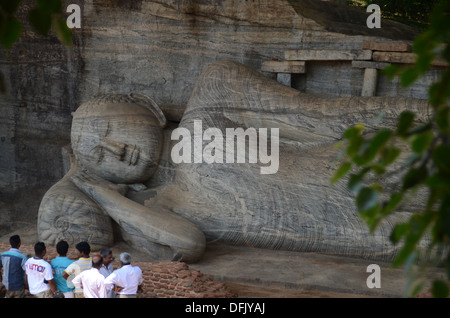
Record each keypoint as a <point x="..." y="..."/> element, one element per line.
<point x="175" y="280"/>
<point x="164" y="279"/>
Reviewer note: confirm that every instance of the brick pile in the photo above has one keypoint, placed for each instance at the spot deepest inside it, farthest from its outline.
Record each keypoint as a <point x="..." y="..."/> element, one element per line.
<point x="164" y="279"/>
<point x="176" y="280"/>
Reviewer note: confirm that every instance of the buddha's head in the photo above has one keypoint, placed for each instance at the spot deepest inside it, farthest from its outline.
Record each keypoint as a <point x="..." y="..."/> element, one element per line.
<point x="118" y="137"/>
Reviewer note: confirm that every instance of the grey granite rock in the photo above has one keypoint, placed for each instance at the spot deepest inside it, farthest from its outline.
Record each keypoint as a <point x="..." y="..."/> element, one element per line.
<point x="290" y="206"/>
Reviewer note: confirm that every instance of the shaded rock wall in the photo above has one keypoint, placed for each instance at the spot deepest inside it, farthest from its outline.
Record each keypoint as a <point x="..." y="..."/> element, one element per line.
<point x="157" y="48"/>
<point x="42" y="80"/>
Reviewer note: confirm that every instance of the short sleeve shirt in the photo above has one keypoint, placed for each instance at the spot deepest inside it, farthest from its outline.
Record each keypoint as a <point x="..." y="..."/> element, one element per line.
<point x="38" y="273"/>
<point x="59" y="264"/>
<point x="128" y="277"/>
<point x="76" y="268"/>
<point x="92" y="282"/>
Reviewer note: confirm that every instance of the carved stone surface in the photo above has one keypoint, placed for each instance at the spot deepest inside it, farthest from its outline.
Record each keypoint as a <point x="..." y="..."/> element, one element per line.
<point x="66" y="213"/>
<point x="159" y="48"/>
<point x="118" y="137"/>
<point x="116" y="140"/>
<point x="294" y="208"/>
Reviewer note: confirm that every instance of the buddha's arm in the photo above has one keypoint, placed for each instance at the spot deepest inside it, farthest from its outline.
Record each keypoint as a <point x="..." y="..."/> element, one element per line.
<point x="157" y="225"/>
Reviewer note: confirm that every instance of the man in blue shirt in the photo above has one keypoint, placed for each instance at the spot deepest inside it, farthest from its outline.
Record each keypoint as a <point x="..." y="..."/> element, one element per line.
<point x="13" y="264"/>
<point x="59" y="264"/>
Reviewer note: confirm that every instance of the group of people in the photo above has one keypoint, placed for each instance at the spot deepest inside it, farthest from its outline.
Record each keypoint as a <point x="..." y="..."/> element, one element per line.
<point x="87" y="277"/>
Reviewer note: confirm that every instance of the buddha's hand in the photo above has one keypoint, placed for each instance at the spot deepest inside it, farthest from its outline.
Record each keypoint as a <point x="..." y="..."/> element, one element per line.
<point x="92" y="184"/>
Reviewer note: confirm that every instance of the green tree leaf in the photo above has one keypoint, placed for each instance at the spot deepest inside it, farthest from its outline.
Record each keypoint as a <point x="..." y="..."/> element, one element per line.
<point x="10" y="6"/>
<point x="441" y="157"/>
<point x="428" y="165"/>
<point x="63" y="32"/>
<point x="341" y="172"/>
<point x="448" y="266"/>
<point x="405" y="121"/>
<point x="395" y="200"/>
<point x="41" y="21"/>
<point x="49" y="6"/>
<point x="389" y="155"/>
<point x="391" y="71"/>
<point x="443" y="119"/>
<point x="422" y="141"/>
<point x="414" y="177"/>
<point x="353" y="131"/>
<point x="443" y="224"/>
<point x="399" y="232"/>
<point x="439" y="91"/>
<point x="10" y="32"/>
<point x="437" y="181"/>
<point x="439" y="289"/>
<point x="355" y="181"/>
<point x="366" y="199"/>
<point x="409" y="76"/>
<point x="2" y="83"/>
<point x="367" y="152"/>
<point x="417" y="226"/>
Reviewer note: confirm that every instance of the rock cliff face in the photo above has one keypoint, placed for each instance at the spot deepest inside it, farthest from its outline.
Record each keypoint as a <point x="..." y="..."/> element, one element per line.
<point x="41" y="78"/>
<point x="158" y="48"/>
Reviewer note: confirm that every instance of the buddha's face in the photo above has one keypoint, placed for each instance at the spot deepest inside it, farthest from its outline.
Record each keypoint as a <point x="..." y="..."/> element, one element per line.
<point x="120" y="141"/>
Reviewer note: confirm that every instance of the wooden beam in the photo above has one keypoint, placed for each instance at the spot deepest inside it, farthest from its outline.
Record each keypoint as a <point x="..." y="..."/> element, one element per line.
<point x="403" y="58"/>
<point x="386" y="46"/>
<point x="291" y="67"/>
<point x="370" y="64"/>
<point x="327" y="55"/>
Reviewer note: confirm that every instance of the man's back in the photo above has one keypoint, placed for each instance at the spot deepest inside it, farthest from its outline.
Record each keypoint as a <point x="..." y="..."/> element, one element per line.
<point x="13" y="263"/>
<point x="129" y="277"/>
<point x="92" y="283"/>
<point x="39" y="272"/>
<point x="59" y="264"/>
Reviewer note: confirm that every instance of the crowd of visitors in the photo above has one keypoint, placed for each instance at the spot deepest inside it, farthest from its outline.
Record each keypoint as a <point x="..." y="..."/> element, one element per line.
<point x="86" y="277"/>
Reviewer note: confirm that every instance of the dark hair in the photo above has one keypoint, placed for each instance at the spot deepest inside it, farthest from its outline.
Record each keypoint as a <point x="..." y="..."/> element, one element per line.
<point x="105" y="252"/>
<point x="14" y="241"/>
<point x="84" y="247"/>
<point x="39" y="248"/>
<point x="62" y="247"/>
<point x="99" y="262"/>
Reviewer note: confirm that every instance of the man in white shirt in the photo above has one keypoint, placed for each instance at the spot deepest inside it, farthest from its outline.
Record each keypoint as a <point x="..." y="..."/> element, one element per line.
<point x="127" y="279"/>
<point x="92" y="282"/>
<point x="39" y="274"/>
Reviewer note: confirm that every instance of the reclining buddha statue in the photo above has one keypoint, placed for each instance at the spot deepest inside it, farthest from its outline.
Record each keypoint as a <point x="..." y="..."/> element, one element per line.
<point x="132" y="174"/>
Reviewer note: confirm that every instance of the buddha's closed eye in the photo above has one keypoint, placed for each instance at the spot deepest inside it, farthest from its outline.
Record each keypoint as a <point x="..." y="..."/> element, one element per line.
<point x="122" y="151"/>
